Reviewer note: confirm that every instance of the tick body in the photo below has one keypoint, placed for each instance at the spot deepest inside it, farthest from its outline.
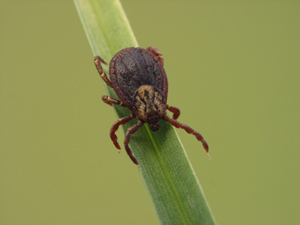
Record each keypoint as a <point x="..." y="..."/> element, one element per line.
<point x="138" y="77"/>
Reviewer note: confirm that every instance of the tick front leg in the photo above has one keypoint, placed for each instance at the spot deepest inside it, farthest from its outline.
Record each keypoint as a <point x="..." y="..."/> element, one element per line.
<point x="129" y="132"/>
<point x="157" y="53"/>
<point x="115" y="127"/>
<point x="109" y="100"/>
<point x="174" y="110"/>
<point x="98" y="60"/>
<point x="188" y="129"/>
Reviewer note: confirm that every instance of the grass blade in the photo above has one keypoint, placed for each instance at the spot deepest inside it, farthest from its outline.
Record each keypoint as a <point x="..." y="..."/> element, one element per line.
<point x="165" y="169"/>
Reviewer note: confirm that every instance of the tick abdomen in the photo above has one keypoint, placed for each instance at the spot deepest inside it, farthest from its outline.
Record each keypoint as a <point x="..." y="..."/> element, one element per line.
<point x="133" y="67"/>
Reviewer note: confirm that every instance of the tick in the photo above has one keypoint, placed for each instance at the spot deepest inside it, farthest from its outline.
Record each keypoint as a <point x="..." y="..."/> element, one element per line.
<point x="138" y="77"/>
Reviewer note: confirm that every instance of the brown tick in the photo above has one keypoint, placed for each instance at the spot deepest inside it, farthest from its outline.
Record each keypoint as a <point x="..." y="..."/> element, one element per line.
<point x="138" y="77"/>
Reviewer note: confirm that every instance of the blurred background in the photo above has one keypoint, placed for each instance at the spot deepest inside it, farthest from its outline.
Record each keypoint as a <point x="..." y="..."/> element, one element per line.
<point x="233" y="70"/>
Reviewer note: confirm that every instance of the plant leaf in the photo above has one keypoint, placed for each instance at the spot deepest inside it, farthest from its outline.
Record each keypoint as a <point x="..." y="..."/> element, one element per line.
<point x="164" y="166"/>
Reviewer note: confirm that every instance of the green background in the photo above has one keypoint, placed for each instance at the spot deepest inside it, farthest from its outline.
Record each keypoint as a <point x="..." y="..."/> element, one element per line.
<point x="233" y="70"/>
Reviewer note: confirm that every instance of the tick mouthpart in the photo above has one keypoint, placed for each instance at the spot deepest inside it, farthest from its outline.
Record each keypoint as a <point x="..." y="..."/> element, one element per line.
<point x="154" y="126"/>
<point x="153" y="122"/>
<point x="153" y="119"/>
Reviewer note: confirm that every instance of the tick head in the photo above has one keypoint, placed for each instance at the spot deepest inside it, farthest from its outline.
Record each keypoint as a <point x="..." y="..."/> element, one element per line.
<point x="149" y="105"/>
<point x="153" y="122"/>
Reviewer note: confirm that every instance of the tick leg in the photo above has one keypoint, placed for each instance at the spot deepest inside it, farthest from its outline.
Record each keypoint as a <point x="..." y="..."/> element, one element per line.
<point x="115" y="127"/>
<point x="188" y="129"/>
<point x="98" y="60"/>
<point x="174" y="110"/>
<point x="109" y="100"/>
<point x="129" y="132"/>
<point x="157" y="53"/>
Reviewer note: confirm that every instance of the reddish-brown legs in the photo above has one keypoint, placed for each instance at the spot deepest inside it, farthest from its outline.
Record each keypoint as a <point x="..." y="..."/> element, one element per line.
<point x="157" y="53"/>
<point x="189" y="130"/>
<point x="115" y="127"/>
<point x="98" y="61"/>
<point x="109" y="100"/>
<point x="174" y="110"/>
<point x="129" y="132"/>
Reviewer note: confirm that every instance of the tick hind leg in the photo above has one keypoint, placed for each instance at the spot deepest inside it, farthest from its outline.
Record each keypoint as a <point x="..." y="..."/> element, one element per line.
<point x="188" y="129"/>
<point x="175" y="111"/>
<point x="129" y="132"/>
<point x="115" y="127"/>
<point x="109" y="100"/>
<point x="157" y="53"/>
<point x="98" y="60"/>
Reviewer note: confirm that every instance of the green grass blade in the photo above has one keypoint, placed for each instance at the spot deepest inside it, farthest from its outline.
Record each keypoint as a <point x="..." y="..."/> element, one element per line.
<point x="165" y="169"/>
